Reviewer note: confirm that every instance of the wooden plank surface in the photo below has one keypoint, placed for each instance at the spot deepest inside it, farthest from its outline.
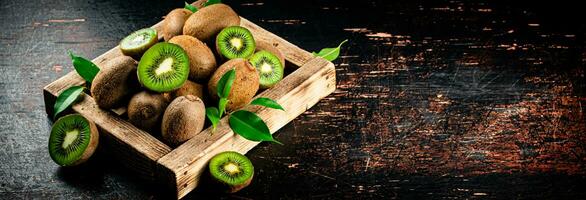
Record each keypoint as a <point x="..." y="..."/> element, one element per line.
<point x="435" y="100"/>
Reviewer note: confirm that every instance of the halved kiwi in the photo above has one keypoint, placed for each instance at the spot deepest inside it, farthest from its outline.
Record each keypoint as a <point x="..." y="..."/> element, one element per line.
<point x="269" y="68"/>
<point x="73" y="140"/>
<point x="138" y="42"/>
<point x="235" y="42"/>
<point x="232" y="170"/>
<point x="163" y="68"/>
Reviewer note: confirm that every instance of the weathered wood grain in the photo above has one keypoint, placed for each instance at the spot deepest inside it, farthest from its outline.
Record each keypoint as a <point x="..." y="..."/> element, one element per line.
<point x="137" y="149"/>
<point x="297" y="92"/>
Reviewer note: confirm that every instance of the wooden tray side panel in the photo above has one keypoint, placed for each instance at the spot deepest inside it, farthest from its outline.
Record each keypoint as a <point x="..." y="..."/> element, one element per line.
<point x="302" y="89"/>
<point x="135" y="148"/>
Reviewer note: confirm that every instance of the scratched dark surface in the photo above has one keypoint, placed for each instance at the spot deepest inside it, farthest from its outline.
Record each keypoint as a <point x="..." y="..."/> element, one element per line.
<point x="435" y="99"/>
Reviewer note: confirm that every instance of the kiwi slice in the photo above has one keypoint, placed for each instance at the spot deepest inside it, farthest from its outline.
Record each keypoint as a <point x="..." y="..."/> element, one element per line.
<point x="73" y="140"/>
<point x="138" y="42"/>
<point x="231" y="169"/>
<point x="235" y="42"/>
<point x="269" y="68"/>
<point x="163" y="68"/>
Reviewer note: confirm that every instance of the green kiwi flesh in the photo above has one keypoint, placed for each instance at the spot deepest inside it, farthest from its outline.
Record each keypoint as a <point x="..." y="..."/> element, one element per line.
<point x="138" y="42"/>
<point x="235" y="42"/>
<point x="73" y="140"/>
<point x="269" y="68"/>
<point x="163" y="68"/>
<point x="232" y="170"/>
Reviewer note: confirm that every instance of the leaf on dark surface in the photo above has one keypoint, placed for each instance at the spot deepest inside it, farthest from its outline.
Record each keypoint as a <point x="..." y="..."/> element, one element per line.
<point x="213" y="115"/>
<point x="190" y="7"/>
<point x="84" y="67"/>
<point x="267" y="102"/>
<point x="66" y="98"/>
<point x="250" y="126"/>
<point x="225" y="83"/>
<point x="330" y="54"/>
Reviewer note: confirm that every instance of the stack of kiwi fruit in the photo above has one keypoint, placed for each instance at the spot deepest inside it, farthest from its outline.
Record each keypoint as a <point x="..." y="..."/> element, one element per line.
<point x="166" y="85"/>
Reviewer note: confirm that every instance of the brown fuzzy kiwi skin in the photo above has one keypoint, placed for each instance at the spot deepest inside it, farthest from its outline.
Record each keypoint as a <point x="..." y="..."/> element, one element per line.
<point x="236" y="188"/>
<point x="183" y="119"/>
<point x="202" y="62"/>
<point x="188" y="88"/>
<point x="213" y="184"/>
<point x="207" y="22"/>
<point x="145" y="110"/>
<point x="174" y="22"/>
<point x="266" y="46"/>
<point x="114" y="82"/>
<point x="92" y="146"/>
<point x="245" y="84"/>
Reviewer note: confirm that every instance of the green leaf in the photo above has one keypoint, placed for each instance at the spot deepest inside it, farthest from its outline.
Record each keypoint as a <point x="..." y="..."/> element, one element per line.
<point x="225" y="83"/>
<point x="210" y="2"/>
<point x="266" y="102"/>
<point x="84" y="67"/>
<point x="330" y="53"/>
<point x="190" y="7"/>
<point x="250" y="126"/>
<point x="213" y="115"/>
<point x="222" y="105"/>
<point x="66" y="98"/>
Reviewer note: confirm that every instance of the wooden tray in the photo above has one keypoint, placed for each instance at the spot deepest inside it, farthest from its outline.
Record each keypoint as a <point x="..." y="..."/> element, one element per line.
<point x="180" y="168"/>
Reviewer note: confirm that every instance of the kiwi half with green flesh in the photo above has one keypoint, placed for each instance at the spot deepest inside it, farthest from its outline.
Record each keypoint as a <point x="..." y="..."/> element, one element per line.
<point x="231" y="169"/>
<point x="235" y="42"/>
<point x="269" y="68"/>
<point x="173" y="23"/>
<point x="145" y="110"/>
<point x="163" y="68"/>
<point x="270" y="47"/>
<point x="135" y="44"/>
<point x="73" y="140"/>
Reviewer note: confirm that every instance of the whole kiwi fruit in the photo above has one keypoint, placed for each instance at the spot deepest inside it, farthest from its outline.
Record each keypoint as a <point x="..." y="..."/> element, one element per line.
<point x="73" y="140"/>
<point x="183" y="119"/>
<point x="173" y="23"/>
<point x="202" y="62"/>
<point x="114" y="82"/>
<point x="209" y="21"/>
<point x="245" y="84"/>
<point x="270" y="47"/>
<point x="145" y="110"/>
<point x="188" y="88"/>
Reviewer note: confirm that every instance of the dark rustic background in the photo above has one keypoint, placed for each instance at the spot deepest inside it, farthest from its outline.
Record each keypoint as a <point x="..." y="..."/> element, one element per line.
<point x="435" y="99"/>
